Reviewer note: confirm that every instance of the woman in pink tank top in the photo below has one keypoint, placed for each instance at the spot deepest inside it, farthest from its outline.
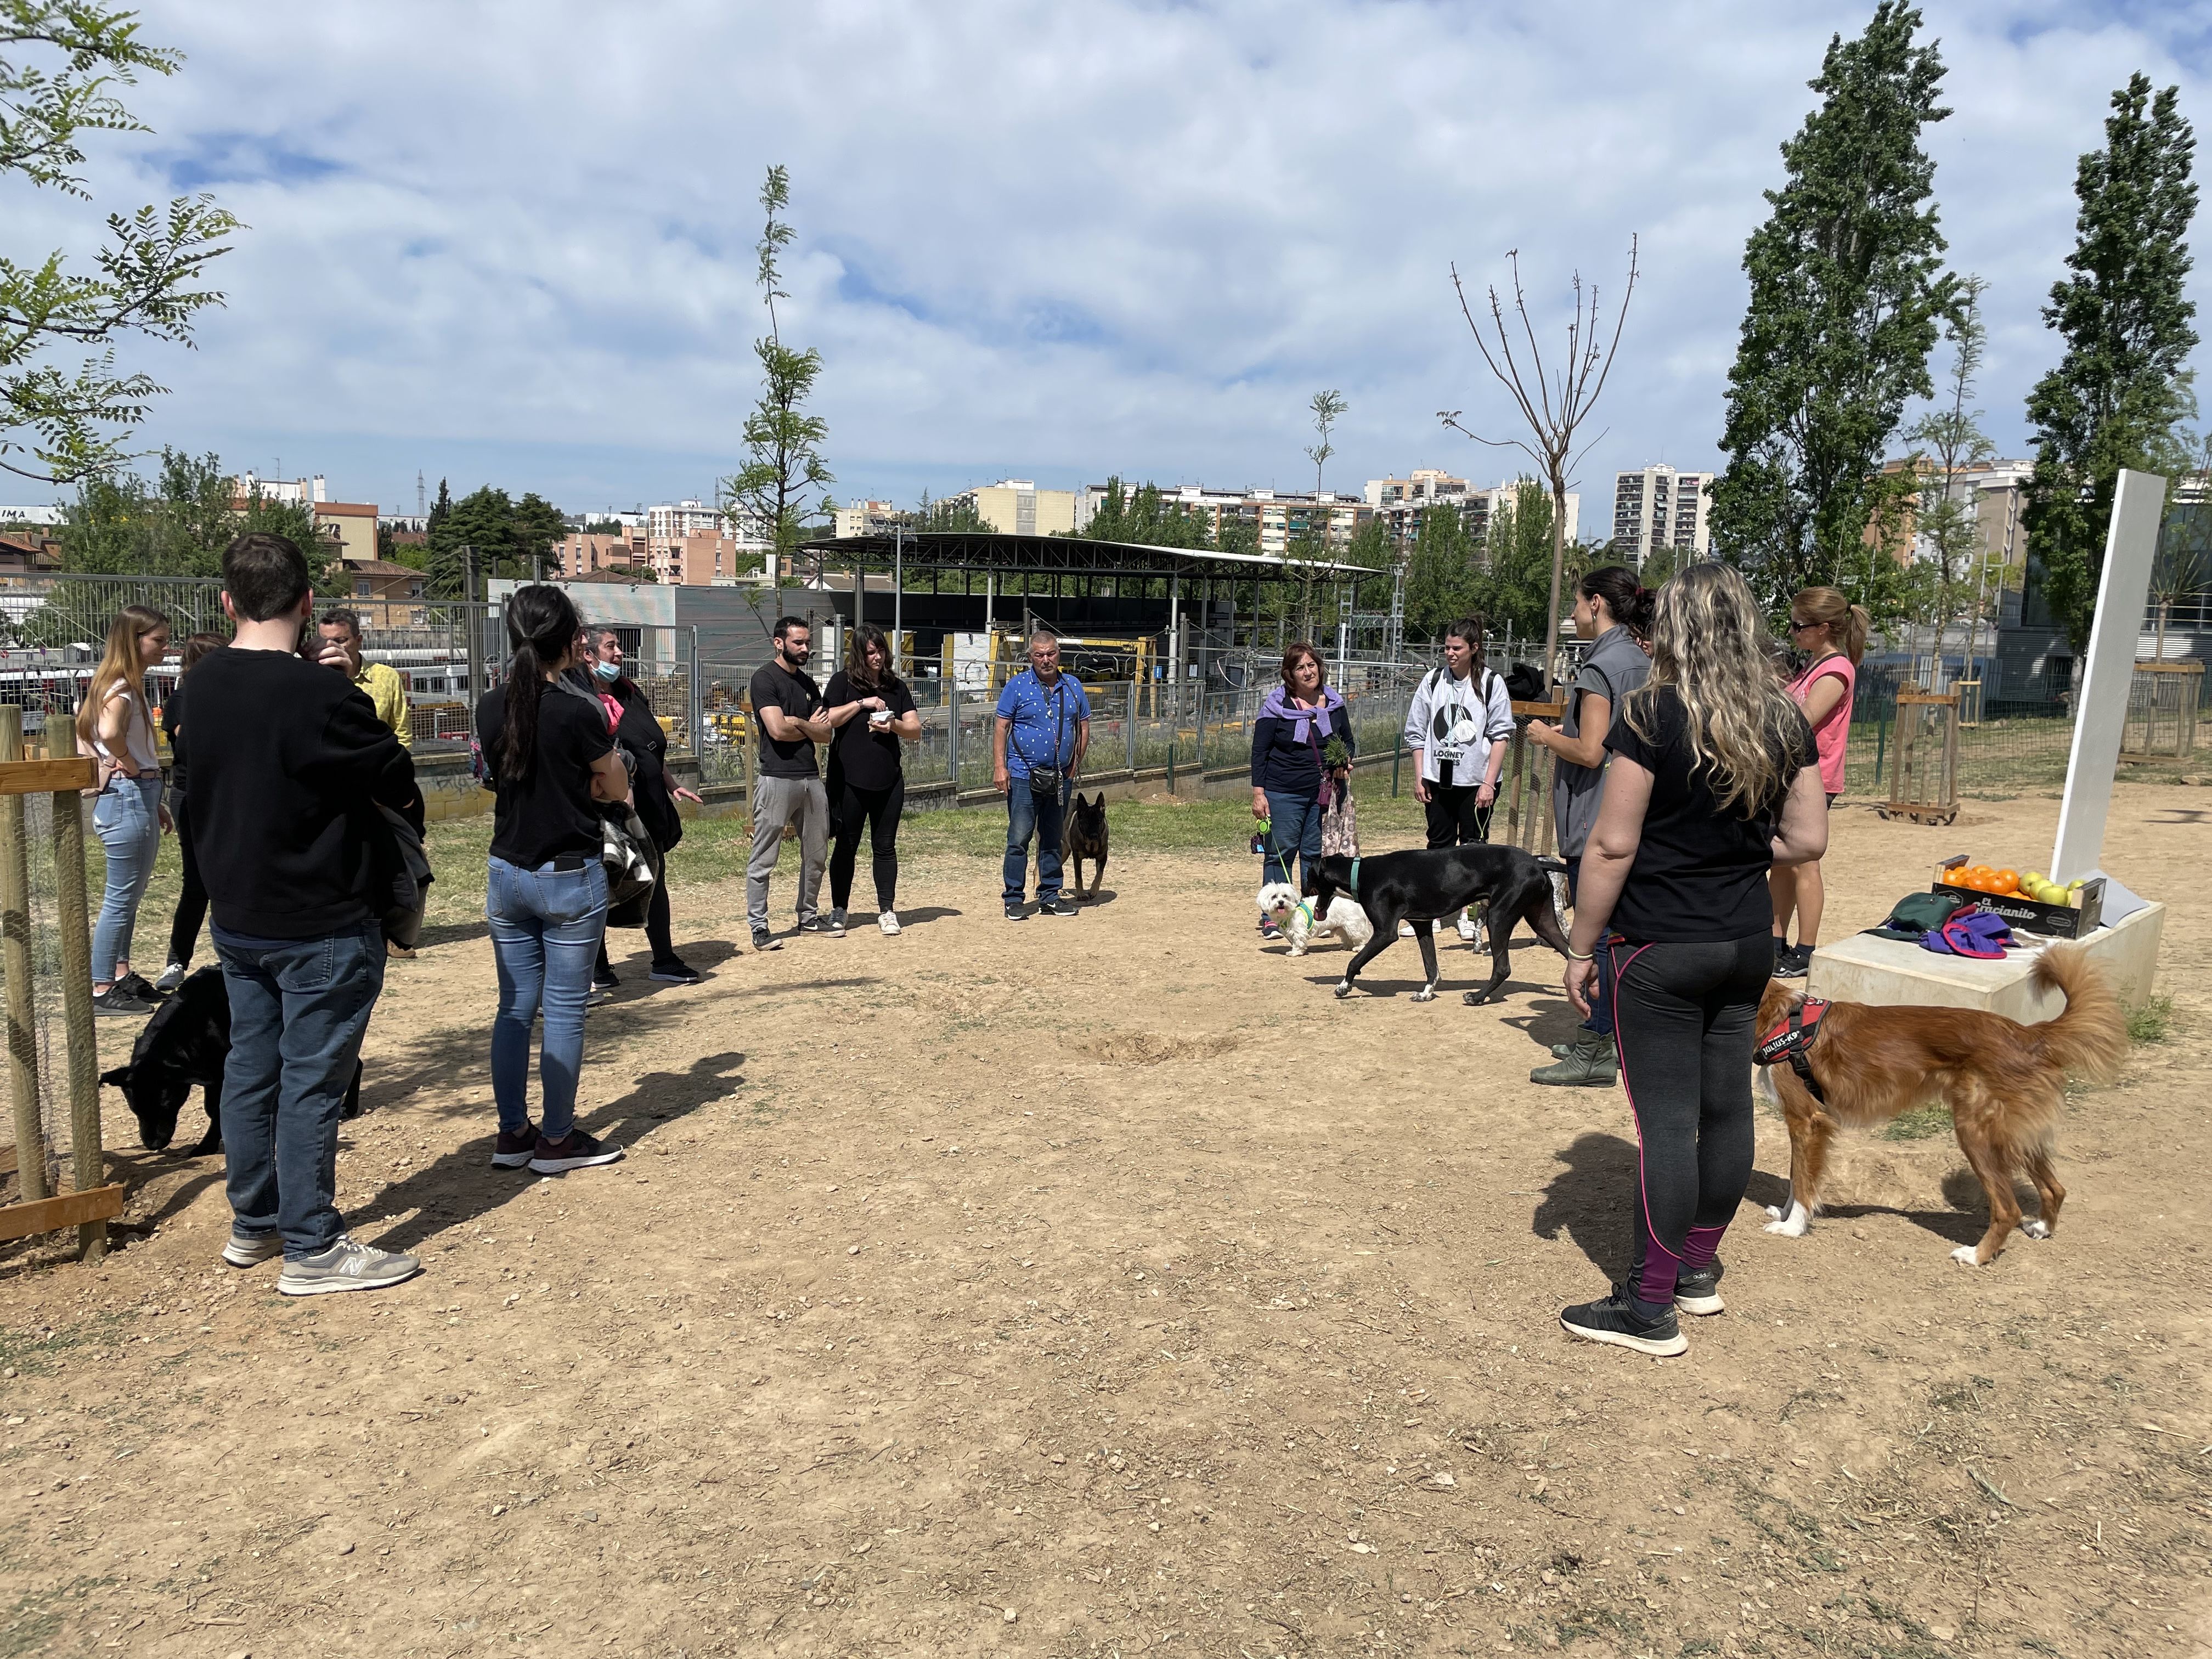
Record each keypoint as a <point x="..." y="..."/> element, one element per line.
<point x="1832" y="632"/>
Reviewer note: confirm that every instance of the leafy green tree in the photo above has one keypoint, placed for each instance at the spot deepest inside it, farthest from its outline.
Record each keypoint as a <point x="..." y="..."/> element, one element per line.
<point x="1847" y="289"/>
<point x="177" y="523"/>
<point x="1947" y="439"/>
<point x="1370" y="549"/>
<point x="2122" y="388"/>
<point x="953" y="513"/>
<point x="1513" y="587"/>
<point x="603" y="527"/>
<point x="536" y="524"/>
<point x="783" y="443"/>
<point x="1440" y="578"/>
<point x="58" y="423"/>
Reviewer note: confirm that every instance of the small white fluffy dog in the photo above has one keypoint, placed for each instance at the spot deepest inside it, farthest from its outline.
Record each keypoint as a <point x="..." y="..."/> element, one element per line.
<point x="1301" y="927"/>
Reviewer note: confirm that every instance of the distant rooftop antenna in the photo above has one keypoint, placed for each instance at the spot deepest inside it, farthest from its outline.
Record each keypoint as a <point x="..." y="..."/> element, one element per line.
<point x="420" y="511"/>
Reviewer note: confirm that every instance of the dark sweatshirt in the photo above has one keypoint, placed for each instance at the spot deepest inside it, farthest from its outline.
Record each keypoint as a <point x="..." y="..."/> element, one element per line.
<point x="1282" y="762"/>
<point x="289" y="763"/>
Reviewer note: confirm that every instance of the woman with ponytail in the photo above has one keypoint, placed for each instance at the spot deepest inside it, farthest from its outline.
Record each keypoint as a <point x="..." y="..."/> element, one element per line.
<point x="115" y="723"/>
<point x="1612" y="610"/>
<point x="548" y="756"/>
<point x="1833" y="634"/>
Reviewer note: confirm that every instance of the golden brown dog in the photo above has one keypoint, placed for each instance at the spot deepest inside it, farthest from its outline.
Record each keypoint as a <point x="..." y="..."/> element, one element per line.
<point x="2004" y="1083"/>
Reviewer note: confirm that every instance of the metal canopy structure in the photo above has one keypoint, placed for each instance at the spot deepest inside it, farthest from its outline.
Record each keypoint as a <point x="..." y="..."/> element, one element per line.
<point x="1066" y="555"/>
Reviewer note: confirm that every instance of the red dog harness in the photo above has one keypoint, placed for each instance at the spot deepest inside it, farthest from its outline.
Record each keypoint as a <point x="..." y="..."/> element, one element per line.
<point x="1789" y="1040"/>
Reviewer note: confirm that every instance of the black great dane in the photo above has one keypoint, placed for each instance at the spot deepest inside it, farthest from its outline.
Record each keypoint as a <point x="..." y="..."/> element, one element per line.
<point x="1423" y="885"/>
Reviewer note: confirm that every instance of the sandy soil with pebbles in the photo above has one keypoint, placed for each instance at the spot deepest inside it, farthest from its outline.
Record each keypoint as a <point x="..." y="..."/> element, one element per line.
<point x="1103" y="1287"/>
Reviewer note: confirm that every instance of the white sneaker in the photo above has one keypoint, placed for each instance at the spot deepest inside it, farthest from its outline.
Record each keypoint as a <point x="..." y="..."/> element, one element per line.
<point x="1467" y="928"/>
<point x="172" y="976"/>
<point x="1404" y="930"/>
<point x="888" y="922"/>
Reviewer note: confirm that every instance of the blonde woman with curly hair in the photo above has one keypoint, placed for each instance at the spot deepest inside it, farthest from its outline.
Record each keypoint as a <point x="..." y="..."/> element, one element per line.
<point x="1713" y="782"/>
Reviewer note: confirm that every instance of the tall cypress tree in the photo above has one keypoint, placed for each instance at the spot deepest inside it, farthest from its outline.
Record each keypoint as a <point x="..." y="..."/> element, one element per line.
<point x="2121" y="387"/>
<point x="1847" y="292"/>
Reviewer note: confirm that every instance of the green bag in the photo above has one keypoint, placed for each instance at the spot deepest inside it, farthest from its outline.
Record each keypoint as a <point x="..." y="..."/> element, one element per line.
<point x="1918" y="914"/>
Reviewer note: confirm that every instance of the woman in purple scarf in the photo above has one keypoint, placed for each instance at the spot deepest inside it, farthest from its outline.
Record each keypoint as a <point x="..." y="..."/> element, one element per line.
<point x="1292" y="783"/>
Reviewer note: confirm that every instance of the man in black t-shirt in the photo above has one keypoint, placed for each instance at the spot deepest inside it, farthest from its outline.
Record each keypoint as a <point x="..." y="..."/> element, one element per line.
<point x="788" y="715"/>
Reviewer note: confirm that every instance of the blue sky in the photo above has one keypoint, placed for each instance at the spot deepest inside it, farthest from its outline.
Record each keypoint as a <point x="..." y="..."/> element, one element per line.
<point x="512" y="243"/>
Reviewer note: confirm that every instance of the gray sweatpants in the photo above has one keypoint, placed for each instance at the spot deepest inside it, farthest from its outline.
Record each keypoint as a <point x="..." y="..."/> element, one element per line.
<point x="782" y="801"/>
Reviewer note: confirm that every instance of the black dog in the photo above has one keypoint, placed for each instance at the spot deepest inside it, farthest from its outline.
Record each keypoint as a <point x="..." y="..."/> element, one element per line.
<point x="1086" y="839"/>
<point x="184" y="1043"/>
<point x="1424" y="884"/>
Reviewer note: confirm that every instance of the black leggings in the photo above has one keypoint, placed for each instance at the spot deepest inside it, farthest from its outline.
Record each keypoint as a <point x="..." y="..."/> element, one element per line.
<point x="1686" y="1019"/>
<point x="1454" y="819"/>
<point x="880" y="809"/>
<point x="192" y="900"/>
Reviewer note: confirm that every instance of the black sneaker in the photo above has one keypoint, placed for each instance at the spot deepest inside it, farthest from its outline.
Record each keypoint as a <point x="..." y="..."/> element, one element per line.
<point x="1059" y="905"/>
<point x="819" y="923"/>
<point x="579" y="1151"/>
<point x="140" y="987"/>
<point x="513" y="1151"/>
<point x="835" y="928"/>
<point x="1792" y="962"/>
<point x="672" y="971"/>
<point x="1697" y="1289"/>
<point x="764" y="940"/>
<point x="1015" y="912"/>
<point x="117" y="1000"/>
<point x="602" y="979"/>
<point x="1627" y="1323"/>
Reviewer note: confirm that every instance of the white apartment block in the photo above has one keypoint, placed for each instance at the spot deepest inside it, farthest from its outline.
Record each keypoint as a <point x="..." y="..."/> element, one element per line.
<point x="672" y="521"/>
<point x="1401" y="503"/>
<point x="1659" y="507"/>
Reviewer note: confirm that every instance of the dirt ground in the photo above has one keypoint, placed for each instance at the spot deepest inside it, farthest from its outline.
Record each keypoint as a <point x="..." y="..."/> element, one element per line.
<point x="1104" y="1287"/>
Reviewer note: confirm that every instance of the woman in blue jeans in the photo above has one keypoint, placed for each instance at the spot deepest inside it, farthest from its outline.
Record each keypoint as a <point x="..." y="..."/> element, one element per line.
<point x="549" y="761"/>
<point x="115" y="725"/>
<point x="1293" y="781"/>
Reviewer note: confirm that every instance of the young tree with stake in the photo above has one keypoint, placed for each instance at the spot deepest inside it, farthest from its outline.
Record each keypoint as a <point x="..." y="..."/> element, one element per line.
<point x="1948" y="440"/>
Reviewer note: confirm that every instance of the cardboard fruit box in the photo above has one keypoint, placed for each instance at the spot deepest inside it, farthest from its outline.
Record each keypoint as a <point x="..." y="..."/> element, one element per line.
<point x="2073" y="921"/>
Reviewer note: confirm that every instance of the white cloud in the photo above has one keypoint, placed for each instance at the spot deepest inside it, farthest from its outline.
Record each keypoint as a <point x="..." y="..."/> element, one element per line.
<point x="513" y="241"/>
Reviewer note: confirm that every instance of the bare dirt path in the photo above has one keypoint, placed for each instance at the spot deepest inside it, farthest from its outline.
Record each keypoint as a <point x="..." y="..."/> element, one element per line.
<point x="1105" y="1286"/>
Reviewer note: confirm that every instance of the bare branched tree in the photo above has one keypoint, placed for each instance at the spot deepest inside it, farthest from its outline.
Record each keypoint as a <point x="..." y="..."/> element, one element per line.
<point x="1556" y="405"/>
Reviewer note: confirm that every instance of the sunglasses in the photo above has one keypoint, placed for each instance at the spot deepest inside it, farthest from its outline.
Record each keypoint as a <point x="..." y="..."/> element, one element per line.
<point x="1796" y="627"/>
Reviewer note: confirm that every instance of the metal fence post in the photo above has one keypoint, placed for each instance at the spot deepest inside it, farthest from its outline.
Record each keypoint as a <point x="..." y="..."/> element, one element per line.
<point x="952" y="736"/>
<point x="694" y="710"/>
<point x="475" y="623"/>
<point x="1129" y="728"/>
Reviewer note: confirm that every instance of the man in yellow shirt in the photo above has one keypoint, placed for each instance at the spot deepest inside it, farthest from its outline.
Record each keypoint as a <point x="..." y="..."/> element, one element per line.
<point x="385" y="688"/>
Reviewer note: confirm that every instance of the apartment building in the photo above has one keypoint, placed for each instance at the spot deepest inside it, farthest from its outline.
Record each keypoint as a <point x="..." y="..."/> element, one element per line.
<point x="705" y="558"/>
<point x="1659" y="507"/>
<point x="1016" y="507"/>
<point x="350" y="526"/>
<point x="1995" y="496"/>
<point x="867" y="518"/>
<point x="1401" y="503"/>
<point x="1281" y="516"/>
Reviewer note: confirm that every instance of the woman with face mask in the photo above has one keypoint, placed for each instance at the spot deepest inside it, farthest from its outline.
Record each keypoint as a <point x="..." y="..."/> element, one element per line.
<point x="630" y="716"/>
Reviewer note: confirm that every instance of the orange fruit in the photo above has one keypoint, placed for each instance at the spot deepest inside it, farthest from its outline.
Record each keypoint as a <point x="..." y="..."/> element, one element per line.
<point x="2007" y="880"/>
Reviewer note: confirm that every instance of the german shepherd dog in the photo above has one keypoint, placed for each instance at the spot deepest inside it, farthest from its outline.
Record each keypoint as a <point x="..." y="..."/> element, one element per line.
<point x="1423" y="884"/>
<point x="1086" y="839"/>
<point x="2004" y="1083"/>
<point x="184" y="1043"/>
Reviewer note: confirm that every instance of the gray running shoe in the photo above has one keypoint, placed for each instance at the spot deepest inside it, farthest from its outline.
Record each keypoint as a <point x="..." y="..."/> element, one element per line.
<point x="345" y="1266"/>
<point x="172" y="976"/>
<point x="250" y="1250"/>
<point x="835" y="929"/>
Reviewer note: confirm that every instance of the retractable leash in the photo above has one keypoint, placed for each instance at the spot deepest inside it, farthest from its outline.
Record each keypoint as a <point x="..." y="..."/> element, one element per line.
<point x="1789" y="1040"/>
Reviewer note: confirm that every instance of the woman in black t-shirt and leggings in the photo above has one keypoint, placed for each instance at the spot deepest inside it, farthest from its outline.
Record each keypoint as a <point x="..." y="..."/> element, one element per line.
<point x="1713" y="782"/>
<point x="871" y="711"/>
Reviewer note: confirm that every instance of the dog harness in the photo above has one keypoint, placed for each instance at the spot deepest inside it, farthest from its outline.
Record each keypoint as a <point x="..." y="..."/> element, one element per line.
<point x="1789" y="1040"/>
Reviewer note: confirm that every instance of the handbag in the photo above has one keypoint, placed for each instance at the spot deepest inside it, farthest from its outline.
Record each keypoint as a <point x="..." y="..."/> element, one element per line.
<point x="407" y="878"/>
<point x="631" y="871"/>
<point x="1340" y="825"/>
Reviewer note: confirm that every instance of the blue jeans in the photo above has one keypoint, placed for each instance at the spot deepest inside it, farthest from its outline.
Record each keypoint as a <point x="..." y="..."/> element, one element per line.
<point x="546" y="925"/>
<point x="127" y="818"/>
<point x="298" y="1008"/>
<point x="1601" y="995"/>
<point x="1043" y="816"/>
<point x="1293" y="834"/>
